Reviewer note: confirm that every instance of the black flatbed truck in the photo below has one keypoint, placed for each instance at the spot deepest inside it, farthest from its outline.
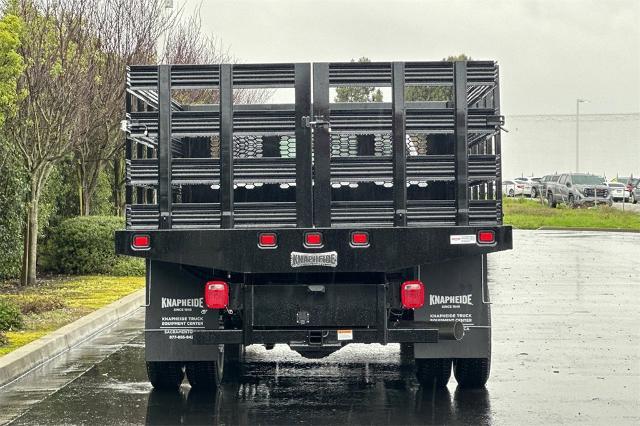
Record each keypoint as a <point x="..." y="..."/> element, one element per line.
<point x="314" y="223"/>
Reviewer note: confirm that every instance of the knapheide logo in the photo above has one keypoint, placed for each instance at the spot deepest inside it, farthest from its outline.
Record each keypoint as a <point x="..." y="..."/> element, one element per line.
<point x="314" y="259"/>
<point x="461" y="299"/>
<point x="197" y="302"/>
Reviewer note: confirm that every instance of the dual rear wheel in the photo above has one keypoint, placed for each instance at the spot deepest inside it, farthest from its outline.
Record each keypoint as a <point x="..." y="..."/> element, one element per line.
<point x="469" y="372"/>
<point x="202" y="375"/>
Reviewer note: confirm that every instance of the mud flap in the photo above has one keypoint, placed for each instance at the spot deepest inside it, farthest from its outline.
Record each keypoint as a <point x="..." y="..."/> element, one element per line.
<point x="175" y="309"/>
<point x="457" y="290"/>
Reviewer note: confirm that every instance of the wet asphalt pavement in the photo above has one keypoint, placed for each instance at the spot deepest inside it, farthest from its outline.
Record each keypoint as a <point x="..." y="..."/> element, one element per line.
<point x="566" y="349"/>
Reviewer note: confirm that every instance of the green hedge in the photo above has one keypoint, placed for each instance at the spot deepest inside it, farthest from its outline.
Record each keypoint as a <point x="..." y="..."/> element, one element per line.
<point x="85" y="245"/>
<point x="10" y="316"/>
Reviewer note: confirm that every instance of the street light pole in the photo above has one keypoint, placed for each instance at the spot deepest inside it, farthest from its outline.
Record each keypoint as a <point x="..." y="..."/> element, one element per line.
<point x="578" y="102"/>
<point x="162" y="40"/>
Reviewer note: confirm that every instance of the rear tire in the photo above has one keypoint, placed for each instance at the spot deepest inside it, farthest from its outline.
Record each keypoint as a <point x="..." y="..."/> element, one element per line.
<point x="165" y="375"/>
<point x="206" y="375"/>
<point x="472" y="372"/>
<point x="406" y="353"/>
<point x="512" y="193"/>
<point x="433" y="373"/>
<point x="534" y="193"/>
<point x="233" y="358"/>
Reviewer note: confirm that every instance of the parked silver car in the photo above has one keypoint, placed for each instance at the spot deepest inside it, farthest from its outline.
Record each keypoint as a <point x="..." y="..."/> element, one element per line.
<point x="510" y="189"/>
<point x="579" y="189"/>
<point x="619" y="191"/>
<point x="536" y="186"/>
<point x="635" y="194"/>
<point x="525" y="184"/>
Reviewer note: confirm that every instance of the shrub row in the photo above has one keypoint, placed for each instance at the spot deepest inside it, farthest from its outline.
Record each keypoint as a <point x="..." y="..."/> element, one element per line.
<point x="10" y="316"/>
<point x="85" y="245"/>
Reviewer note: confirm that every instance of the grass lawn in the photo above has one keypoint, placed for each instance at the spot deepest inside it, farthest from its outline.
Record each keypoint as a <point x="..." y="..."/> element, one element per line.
<point x="530" y="214"/>
<point x="53" y="303"/>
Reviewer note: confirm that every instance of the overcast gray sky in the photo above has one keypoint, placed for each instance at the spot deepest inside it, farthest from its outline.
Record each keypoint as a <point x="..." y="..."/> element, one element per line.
<point x="550" y="51"/>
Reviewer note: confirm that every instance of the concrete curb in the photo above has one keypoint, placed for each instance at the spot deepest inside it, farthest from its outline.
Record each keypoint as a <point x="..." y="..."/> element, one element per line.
<point x="38" y="352"/>
<point x="559" y="228"/>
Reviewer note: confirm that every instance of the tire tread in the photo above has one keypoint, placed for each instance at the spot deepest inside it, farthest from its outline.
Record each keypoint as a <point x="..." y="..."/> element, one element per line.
<point x="472" y="372"/>
<point x="433" y="372"/>
<point x="203" y="374"/>
<point x="165" y="375"/>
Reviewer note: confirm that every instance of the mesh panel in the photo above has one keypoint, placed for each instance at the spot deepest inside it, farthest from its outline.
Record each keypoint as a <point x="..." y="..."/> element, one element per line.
<point x="248" y="146"/>
<point x="252" y="146"/>
<point x="346" y="144"/>
<point x="417" y="144"/>
<point x="343" y="145"/>
<point x="382" y="143"/>
<point x="288" y="146"/>
<point x="215" y="146"/>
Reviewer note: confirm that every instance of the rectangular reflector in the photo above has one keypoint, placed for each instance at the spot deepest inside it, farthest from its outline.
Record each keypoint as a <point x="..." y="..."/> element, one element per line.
<point x="267" y="239"/>
<point x="313" y="239"/>
<point x="216" y="294"/>
<point x="141" y="242"/>
<point x="486" y="237"/>
<point x="359" y="238"/>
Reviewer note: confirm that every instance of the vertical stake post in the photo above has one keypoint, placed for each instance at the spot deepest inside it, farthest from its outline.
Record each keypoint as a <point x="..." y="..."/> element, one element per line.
<point x="226" y="146"/>
<point x="165" y="196"/>
<point x="399" y="142"/>
<point x="460" y="137"/>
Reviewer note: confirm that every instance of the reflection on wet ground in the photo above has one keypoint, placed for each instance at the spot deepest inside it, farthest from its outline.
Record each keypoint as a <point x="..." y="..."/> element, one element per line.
<point x="565" y="343"/>
<point x="348" y="388"/>
<point x="392" y="406"/>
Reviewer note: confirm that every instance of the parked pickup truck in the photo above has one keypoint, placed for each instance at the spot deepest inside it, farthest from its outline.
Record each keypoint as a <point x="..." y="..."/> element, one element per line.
<point x="577" y="190"/>
<point x="314" y="224"/>
<point x="539" y="186"/>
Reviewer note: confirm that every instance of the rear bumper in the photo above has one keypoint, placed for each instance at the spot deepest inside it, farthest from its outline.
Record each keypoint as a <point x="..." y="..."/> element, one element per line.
<point x="237" y="250"/>
<point x="399" y="332"/>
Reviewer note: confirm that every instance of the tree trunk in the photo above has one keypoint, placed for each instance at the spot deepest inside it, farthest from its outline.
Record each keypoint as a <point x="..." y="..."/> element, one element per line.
<point x="25" y="250"/>
<point x="30" y="249"/>
<point x="83" y="199"/>
<point x="33" y="240"/>
<point x="86" y="201"/>
<point x="118" y="196"/>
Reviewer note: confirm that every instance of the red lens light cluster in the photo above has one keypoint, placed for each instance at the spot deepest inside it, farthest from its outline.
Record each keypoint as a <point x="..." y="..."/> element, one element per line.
<point x="359" y="239"/>
<point x="268" y="240"/>
<point x="412" y="294"/>
<point x="486" y="237"/>
<point x="141" y="242"/>
<point x="313" y="239"/>
<point x="216" y="294"/>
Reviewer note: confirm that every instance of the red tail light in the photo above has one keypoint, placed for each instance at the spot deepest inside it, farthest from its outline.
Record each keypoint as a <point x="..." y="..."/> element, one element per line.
<point x="216" y="294"/>
<point x="268" y="240"/>
<point x="141" y="242"/>
<point x="412" y="294"/>
<point x="313" y="239"/>
<point x="486" y="237"/>
<point x="359" y="239"/>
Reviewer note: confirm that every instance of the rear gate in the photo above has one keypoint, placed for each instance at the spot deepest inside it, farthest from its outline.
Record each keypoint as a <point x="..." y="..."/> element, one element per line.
<point x="331" y="305"/>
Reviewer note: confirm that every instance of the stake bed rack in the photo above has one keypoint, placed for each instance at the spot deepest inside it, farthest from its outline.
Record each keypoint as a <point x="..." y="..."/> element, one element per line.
<point x="221" y="164"/>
